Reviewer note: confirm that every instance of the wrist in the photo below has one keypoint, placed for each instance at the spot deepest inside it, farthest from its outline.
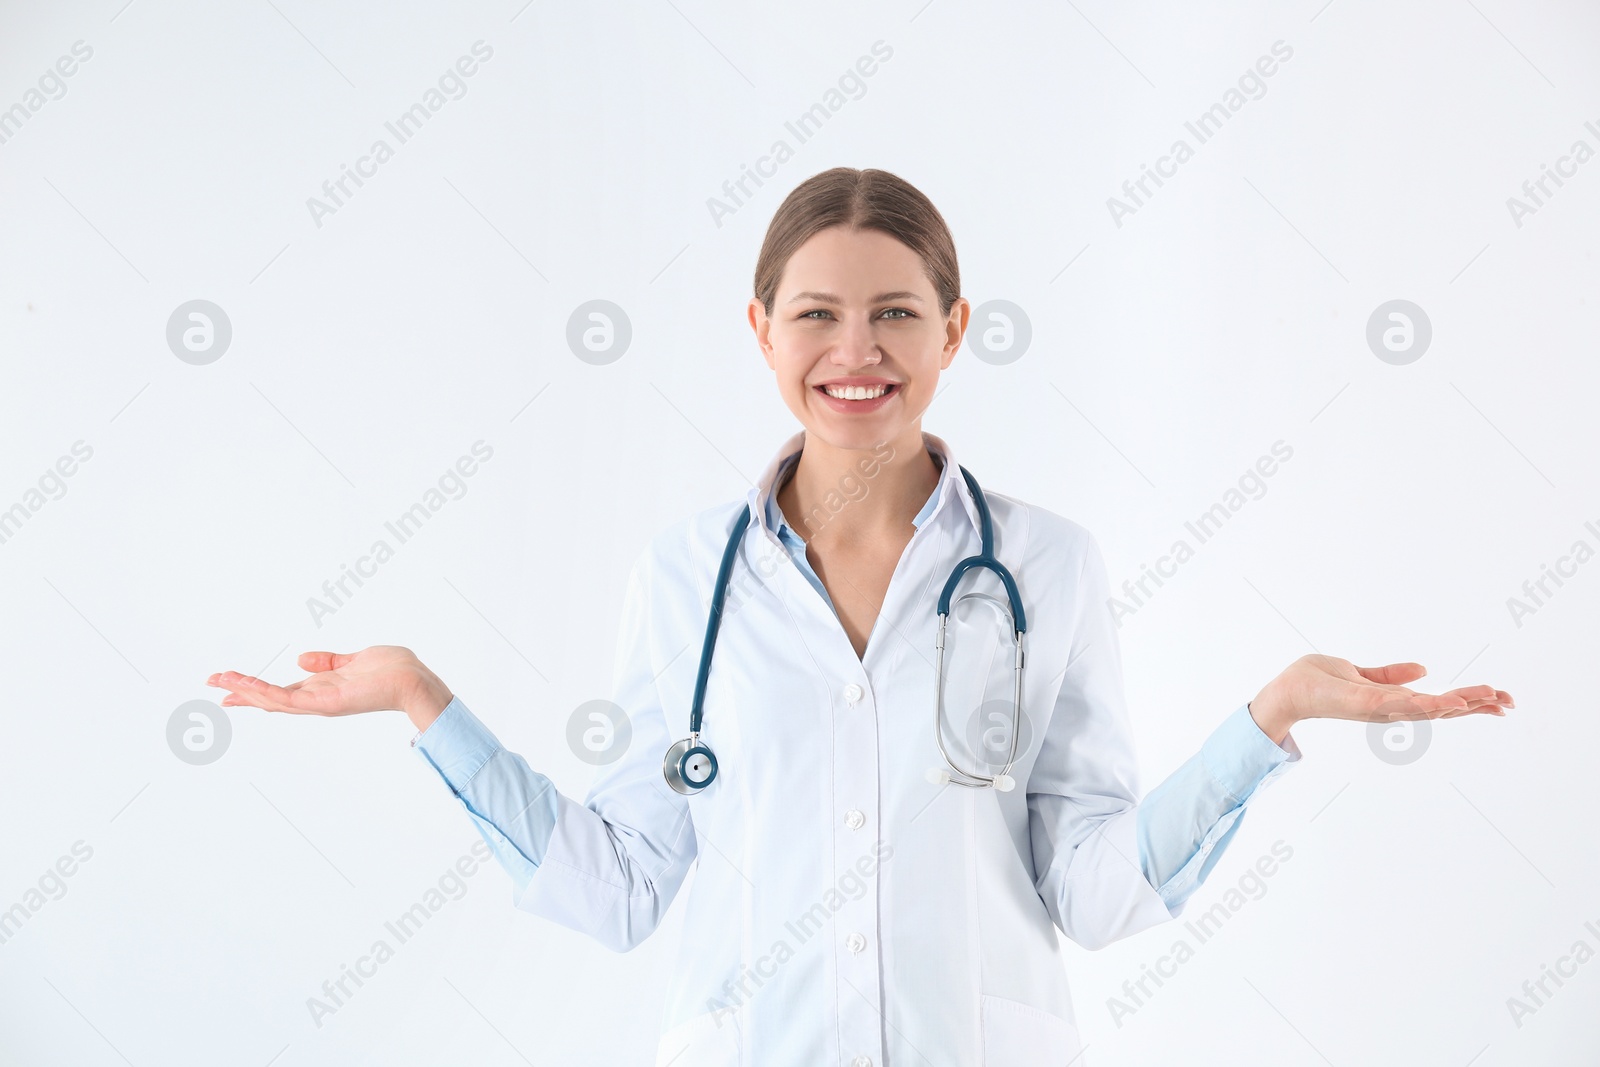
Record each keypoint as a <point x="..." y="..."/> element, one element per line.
<point x="424" y="698"/>
<point x="1272" y="718"/>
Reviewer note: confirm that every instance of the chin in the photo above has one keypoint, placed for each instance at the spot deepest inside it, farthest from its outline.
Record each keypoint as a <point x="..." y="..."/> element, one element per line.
<point x="862" y="435"/>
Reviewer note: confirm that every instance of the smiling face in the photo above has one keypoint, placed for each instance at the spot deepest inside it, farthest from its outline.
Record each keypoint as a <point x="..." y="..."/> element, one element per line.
<point x="856" y="337"/>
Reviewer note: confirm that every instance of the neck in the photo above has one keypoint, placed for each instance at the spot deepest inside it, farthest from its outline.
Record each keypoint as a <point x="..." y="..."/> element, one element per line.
<point x="845" y="495"/>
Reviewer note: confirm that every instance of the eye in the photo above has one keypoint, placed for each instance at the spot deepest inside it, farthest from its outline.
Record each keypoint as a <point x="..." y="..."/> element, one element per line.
<point x="903" y="313"/>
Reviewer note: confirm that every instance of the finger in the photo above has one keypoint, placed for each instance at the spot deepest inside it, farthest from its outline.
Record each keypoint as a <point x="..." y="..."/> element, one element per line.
<point x="245" y="699"/>
<point x="267" y="704"/>
<point x="263" y="694"/>
<point x="1476" y="709"/>
<point x="224" y="680"/>
<point x="233" y="700"/>
<point x="1500" y="699"/>
<point x="288" y="688"/>
<point x="1475" y="692"/>
<point x="240" y="700"/>
<point x="240" y="695"/>
<point x="1420" y="706"/>
<point x="1448" y="713"/>
<point x="227" y="679"/>
<point x="1393" y="673"/>
<point x="317" y="662"/>
<point x="1421" y="713"/>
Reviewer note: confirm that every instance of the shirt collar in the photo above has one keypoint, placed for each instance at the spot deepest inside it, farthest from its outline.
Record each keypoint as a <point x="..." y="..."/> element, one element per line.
<point x="765" y="512"/>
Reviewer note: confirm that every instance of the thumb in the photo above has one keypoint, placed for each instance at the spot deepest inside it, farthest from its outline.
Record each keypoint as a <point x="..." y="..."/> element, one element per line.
<point x="316" y="662"/>
<point x="1393" y="673"/>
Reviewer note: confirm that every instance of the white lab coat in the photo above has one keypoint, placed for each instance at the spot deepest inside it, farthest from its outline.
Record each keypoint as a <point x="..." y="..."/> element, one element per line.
<point x="843" y="909"/>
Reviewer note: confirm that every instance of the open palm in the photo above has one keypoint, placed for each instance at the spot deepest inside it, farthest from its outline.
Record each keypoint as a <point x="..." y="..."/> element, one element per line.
<point x="373" y="679"/>
<point x="1332" y="688"/>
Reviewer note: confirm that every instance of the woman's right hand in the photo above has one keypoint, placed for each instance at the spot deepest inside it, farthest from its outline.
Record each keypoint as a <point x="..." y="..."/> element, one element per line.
<point x="380" y="678"/>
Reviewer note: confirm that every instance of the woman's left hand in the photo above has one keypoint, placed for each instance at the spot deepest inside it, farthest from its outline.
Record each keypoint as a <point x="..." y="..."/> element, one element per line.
<point x="1327" y="687"/>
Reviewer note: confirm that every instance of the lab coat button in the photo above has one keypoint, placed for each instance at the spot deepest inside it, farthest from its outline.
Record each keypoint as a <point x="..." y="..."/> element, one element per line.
<point x="861" y="1061"/>
<point x="855" y="943"/>
<point x="853" y="692"/>
<point x="854" y="819"/>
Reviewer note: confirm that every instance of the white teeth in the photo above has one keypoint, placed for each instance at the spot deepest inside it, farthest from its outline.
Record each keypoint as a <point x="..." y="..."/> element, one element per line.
<point x="855" y="392"/>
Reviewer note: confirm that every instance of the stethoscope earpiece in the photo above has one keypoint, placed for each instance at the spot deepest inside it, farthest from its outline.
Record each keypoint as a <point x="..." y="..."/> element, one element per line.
<point x="1003" y="782"/>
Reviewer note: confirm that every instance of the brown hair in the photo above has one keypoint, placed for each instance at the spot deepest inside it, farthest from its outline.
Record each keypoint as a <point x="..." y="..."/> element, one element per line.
<point x="861" y="200"/>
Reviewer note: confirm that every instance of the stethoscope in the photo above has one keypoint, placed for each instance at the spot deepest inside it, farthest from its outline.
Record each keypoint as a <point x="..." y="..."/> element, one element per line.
<point x="690" y="766"/>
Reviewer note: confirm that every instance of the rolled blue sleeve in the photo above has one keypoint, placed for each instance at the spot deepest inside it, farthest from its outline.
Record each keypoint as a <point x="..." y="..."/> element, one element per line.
<point x="487" y="778"/>
<point x="1186" y="822"/>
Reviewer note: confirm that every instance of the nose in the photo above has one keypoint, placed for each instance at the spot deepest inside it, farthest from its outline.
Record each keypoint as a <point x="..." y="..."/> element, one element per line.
<point x="856" y="345"/>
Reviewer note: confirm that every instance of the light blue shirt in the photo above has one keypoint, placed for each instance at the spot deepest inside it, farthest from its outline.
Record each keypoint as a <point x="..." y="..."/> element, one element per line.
<point x="1184" y="824"/>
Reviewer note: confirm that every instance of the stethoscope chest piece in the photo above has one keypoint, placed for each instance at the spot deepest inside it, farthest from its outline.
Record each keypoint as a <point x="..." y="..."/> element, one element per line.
<point x="689" y="766"/>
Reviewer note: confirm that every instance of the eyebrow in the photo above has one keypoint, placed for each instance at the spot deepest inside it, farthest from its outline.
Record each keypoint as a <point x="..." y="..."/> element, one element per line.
<point x="830" y="298"/>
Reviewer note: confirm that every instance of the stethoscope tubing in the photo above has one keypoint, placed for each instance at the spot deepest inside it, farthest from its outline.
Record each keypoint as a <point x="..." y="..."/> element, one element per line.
<point x="681" y="758"/>
<point x="697" y="709"/>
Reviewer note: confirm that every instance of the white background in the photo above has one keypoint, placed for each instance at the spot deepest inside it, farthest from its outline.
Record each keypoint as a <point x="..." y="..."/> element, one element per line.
<point x="1167" y="355"/>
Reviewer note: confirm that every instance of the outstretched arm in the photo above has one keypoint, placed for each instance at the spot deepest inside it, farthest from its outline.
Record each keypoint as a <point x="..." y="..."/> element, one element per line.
<point x="608" y="867"/>
<point x="1109" y="865"/>
<point x="1186" y="822"/>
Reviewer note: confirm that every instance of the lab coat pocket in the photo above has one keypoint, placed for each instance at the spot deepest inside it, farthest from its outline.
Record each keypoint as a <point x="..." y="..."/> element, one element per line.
<point x="700" y="1042"/>
<point x="1018" y="1035"/>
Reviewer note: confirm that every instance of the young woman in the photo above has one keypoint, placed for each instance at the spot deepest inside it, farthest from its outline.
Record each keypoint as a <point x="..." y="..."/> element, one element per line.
<point x="868" y="891"/>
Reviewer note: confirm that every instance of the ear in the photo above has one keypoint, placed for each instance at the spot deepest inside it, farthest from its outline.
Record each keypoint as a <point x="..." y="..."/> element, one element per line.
<point x="757" y="314"/>
<point x="955" y="329"/>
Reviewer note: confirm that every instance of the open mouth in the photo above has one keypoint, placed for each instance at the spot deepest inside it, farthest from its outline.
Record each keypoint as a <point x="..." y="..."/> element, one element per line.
<point x="857" y="394"/>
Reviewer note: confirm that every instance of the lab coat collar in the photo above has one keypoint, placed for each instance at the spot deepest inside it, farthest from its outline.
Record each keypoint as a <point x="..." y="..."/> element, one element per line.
<point x="951" y="484"/>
